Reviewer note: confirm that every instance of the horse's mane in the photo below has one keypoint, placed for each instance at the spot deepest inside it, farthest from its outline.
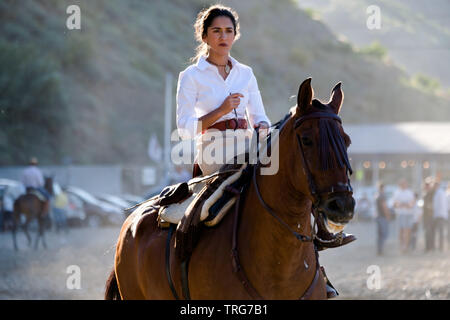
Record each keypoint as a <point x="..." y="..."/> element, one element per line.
<point x="332" y="147"/>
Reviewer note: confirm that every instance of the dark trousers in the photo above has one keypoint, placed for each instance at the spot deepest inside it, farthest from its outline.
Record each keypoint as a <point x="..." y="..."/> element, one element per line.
<point x="382" y="233"/>
<point x="439" y="226"/>
<point x="429" y="234"/>
<point x="413" y="239"/>
<point x="448" y="231"/>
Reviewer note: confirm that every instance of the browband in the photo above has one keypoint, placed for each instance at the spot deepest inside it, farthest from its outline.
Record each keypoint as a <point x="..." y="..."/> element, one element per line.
<point x="316" y="115"/>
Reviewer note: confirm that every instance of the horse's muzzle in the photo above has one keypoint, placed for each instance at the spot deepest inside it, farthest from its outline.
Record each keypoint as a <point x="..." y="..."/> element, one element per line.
<point x="337" y="210"/>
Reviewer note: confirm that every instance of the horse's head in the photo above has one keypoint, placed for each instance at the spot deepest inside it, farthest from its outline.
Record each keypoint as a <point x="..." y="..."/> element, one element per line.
<point x="320" y="159"/>
<point x="48" y="184"/>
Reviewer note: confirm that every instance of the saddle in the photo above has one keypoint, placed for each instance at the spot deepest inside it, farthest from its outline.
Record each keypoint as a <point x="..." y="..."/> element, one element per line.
<point x="38" y="194"/>
<point x="175" y="193"/>
<point x="209" y="207"/>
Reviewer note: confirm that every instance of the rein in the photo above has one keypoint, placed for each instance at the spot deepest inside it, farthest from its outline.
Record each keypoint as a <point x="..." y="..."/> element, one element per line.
<point x="237" y="268"/>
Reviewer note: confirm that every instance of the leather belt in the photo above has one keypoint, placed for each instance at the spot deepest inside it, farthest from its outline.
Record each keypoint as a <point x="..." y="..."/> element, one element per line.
<point x="232" y="124"/>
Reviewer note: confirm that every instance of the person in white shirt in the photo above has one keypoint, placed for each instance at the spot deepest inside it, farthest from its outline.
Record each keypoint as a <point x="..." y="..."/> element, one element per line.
<point x="440" y="215"/>
<point x="448" y="210"/>
<point x="404" y="202"/>
<point x="32" y="176"/>
<point x="417" y="214"/>
<point x="217" y="91"/>
<point x="33" y="179"/>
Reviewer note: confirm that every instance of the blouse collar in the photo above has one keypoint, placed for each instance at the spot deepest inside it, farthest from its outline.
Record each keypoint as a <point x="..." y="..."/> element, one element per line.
<point x="202" y="64"/>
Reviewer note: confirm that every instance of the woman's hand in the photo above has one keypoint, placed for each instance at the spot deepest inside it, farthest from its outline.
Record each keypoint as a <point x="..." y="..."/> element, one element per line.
<point x="261" y="125"/>
<point x="263" y="128"/>
<point x="231" y="103"/>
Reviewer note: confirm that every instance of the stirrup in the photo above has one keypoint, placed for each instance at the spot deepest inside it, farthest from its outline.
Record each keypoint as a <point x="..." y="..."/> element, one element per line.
<point x="335" y="241"/>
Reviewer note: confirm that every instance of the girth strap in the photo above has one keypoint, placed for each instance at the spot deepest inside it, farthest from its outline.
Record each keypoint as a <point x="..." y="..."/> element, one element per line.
<point x="169" y="276"/>
<point x="185" y="279"/>
<point x="237" y="269"/>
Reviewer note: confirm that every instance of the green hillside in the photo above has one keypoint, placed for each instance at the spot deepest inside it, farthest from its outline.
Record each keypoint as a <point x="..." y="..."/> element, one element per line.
<point x="415" y="32"/>
<point x="95" y="95"/>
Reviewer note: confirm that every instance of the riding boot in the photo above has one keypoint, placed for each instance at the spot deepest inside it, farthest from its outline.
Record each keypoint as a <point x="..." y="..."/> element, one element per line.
<point x="325" y="240"/>
<point x="331" y="291"/>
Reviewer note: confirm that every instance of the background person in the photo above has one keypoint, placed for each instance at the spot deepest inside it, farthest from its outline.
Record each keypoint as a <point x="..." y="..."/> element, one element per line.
<point x="382" y="219"/>
<point x="427" y="216"/>
<point x="33" y="179"/>
<point x="60" y="204"/>
<point x="440" y="215"/>
<point x="448" y="215"/>
<point x="403" y="204"/>
<point x="415" y="227"/>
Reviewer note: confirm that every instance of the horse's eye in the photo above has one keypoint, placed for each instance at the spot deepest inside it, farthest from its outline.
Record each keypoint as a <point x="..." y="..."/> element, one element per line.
<point x="307" y="141"/>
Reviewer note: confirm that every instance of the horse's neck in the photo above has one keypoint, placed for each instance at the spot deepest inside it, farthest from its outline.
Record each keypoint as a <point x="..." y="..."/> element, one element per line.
<point x="270" y="253"/>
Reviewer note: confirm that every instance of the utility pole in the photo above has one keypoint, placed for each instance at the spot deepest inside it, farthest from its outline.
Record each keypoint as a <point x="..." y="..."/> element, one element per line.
<point x="167" y="124"/>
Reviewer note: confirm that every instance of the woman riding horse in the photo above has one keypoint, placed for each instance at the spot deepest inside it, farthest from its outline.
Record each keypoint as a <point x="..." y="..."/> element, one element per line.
<point x="35" y="204"/>
<point x="270" y="237"/>
<point x="273" y="246"/>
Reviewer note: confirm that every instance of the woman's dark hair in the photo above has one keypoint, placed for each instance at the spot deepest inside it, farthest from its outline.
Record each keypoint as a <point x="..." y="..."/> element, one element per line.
<point x="205" y="19"/>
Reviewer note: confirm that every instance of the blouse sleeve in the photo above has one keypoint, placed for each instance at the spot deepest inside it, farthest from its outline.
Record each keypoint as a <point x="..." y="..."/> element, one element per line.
<point x="255" y="108"/>
<point x="186" y="98"/>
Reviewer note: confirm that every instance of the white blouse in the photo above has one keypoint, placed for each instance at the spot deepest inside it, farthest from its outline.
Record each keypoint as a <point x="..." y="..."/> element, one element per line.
<point x="201" y="89"/>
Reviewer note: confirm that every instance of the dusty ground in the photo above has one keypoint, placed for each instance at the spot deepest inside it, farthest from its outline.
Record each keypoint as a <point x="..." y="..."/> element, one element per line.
<point x="414" y="275"/>
<point x="43" y="274"/>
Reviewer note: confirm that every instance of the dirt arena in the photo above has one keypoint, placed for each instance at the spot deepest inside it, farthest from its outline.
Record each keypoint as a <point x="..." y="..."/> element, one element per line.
<point x="44" y="274"/>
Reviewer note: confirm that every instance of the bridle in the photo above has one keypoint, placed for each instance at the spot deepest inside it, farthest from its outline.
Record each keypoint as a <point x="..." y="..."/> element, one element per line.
<point x="316" y="195"/>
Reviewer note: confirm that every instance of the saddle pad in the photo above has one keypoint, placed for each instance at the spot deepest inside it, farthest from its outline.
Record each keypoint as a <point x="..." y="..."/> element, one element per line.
<point x="175" y="212"/>
<point x="38" y="194"/>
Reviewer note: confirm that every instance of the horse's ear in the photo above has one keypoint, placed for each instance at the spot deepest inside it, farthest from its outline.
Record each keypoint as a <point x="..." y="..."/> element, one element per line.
<point x="305" y="96"/>
<point x="337" y="97"/>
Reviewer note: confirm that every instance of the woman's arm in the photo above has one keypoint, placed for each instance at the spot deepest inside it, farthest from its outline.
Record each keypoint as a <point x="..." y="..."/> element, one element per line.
<point x="186" y="98"/>
<point x="229" y="104"/>
<point x="188" y="125"/>
<point x="256" y="113"/>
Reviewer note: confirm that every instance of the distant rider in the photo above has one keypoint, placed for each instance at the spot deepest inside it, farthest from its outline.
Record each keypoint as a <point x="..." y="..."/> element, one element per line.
<point x="33" y="180"/>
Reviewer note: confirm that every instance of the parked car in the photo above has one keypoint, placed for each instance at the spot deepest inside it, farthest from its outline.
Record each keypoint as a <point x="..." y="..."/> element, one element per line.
<point x="76" y="216"/>
<point x="114" y="200"/>
<point x="98" y="212"/>
<point x="132" y="199"/>
<point x="15" y="188"/>
<point x="10" y="191"/>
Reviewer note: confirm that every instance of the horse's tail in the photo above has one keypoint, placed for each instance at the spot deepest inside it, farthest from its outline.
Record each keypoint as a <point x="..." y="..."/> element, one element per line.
<point x="112" y="289"/>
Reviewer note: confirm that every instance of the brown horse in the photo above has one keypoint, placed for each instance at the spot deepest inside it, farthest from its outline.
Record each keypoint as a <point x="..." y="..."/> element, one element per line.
<point x="32" y="208"/>
<point x="274" y="232"/>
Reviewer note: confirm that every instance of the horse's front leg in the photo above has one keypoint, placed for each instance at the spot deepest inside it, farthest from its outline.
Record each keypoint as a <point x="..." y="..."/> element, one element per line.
<point x="27" y="234"/>
<point x="13" y="230"/>
<point x="42" y="232"/>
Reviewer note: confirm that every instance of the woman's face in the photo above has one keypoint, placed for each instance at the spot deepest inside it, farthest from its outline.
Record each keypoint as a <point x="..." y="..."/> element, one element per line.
<point x="220" y="35"/>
